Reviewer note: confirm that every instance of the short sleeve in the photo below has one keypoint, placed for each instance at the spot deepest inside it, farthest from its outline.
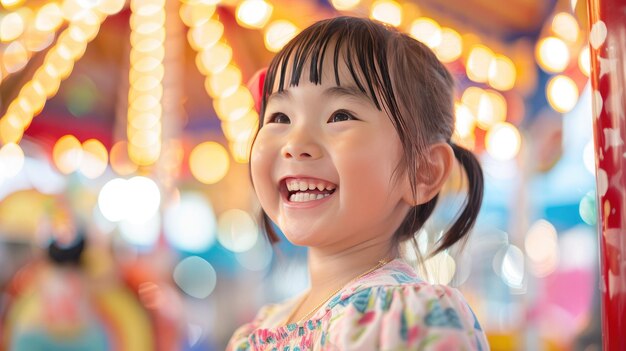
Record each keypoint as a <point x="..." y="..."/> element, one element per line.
<point x="413" y="316"/>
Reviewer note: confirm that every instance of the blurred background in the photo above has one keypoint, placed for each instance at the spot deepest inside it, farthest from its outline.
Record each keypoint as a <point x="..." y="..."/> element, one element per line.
<point x="127" y="217"/>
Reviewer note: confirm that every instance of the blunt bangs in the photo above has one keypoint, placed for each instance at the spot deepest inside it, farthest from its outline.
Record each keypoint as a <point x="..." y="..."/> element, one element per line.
<point x="358" y="43"/>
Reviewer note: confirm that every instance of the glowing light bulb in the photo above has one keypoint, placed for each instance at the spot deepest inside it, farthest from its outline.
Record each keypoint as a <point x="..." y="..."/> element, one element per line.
<point x="503" y="141"/>
<point x="344" y="5"/>
<point x="502" y="73"/>
<point x="427" y="31"/>
<point x="387" y="11"/>
<point x="565" y="26"/>
<point x="11" y="26"/>
<point x="562" y="93"/>
<point x="552" y="54"/>
<point x="278" y="34"/>
<point x="209" y="162"/>
<point x="451" y="46"/>
<point x="478" y="63"/>
<point x="584" y="61"/>
<point x="254" y="13"/>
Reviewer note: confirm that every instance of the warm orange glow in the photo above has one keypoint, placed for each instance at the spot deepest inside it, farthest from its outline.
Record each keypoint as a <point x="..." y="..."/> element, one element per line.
<point x="209" y="162"/>
<point x="279" y="33"/>
<point x="67" y="154"/>
<point x="223" y="83"/>
<point x="478" y="63"/>
<point x="120" y="162"/>
<point x="94" y="160"/>
<point x="254" y="13"/>
<point x="502" y="73"/>
<point x="387" y="11"/>
<point x="234" y="106"/>
<point x="214" y="59"/>
<point x="205" y="35"/>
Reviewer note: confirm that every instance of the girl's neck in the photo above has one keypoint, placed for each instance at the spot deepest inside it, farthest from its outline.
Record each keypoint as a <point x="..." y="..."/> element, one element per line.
<point x="331" y="270"/>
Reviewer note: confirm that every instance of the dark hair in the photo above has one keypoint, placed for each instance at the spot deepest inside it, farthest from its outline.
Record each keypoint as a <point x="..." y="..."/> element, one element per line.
<point x="404" y="78"/>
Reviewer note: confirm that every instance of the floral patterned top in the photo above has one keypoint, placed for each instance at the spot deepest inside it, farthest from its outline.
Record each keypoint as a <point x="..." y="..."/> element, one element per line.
<point x="390" y="308"/>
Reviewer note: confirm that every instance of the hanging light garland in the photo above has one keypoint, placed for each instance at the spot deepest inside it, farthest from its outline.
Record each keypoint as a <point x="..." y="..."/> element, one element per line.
<point x="232" y="101"/>
<point x="145" y="109"/>
<point x="57" y="65"/>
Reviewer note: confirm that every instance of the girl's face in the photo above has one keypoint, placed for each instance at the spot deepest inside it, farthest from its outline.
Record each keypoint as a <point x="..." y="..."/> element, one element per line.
<point x="323" y="164"/>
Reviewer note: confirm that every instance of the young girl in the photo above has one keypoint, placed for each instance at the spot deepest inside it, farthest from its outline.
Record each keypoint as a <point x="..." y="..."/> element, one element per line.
<point x="352" y="151"/>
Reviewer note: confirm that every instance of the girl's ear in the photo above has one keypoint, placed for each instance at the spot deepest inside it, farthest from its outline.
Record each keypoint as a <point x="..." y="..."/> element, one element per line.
<point x="432" y="175"/>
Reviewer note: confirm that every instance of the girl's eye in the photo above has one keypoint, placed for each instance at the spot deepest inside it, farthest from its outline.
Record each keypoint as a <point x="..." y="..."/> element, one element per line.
<point x="341" y="116"/>
<point x="279" y="118"/>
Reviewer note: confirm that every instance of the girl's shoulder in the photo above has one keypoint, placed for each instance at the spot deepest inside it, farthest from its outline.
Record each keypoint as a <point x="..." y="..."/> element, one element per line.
<point x="398" y="309"/>
<point x="396" y="281"/>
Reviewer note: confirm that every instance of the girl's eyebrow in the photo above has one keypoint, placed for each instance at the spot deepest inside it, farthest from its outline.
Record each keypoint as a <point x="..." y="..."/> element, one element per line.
<point x="280" y="95"/>
<point x="347" y="91"/>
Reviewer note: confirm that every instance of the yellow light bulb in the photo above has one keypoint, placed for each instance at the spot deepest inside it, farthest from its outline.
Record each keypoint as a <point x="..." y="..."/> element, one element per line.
<point x="387" y="11"/>
<point x="253" y="13"/>
<point x="278" y="34"/>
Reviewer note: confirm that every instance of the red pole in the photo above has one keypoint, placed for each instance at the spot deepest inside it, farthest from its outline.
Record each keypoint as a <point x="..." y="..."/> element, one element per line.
<point x="607" y="39"/>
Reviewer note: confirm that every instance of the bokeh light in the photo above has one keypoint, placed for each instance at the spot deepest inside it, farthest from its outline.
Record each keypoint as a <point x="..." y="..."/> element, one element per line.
<point x="584" y="60"/>
<point x="253" y="13"/>
<point x="11" y="160"/>
<point x="427" y="31"/>
<point x="344" y="5"/>
<point x="224" y="83"/>
<point x="94" y="160"/>
<point x="502" y="73"/>
<point x="194" y="13"/>
<point x="387" y="11"/>
<point x="235" y="106"/>
<point x="49" y="17"/>
<point x="209" y="162"/>
<point x="552" y="54"/>
<point x="279" y="33"/>
<point x="503" y="141"/>
<point x="541" y="246"/>
<point x="451" y="46"/>
<point x="120" y="162"/>
<point x="136" y="200"/>
<point x="236" y="230"/>
<point x="439" y="269"/>
<point x="15" y="57"/>
<point x="491" y="109"/>
<point x="478" y="62"/>
<point x="512" y="267"/>
<point x="67" y="154"/>
<point x="464" y="121"/>
<point x="190" y="224"/>
<point x="142" y="235"/>
<point x="589" y="158"/>
<point x="111" y="199"/>
<point x="565" y="26"/>
<point x="143" y="199"/>
<point x="214" y="59"/>
<point x="11" y="26"/>
<point x="205" y="35"/>
<point x="587" y="208"/>
<point x="11" y="3"/>
<point x="562" y="93"/>
<point x="195" y="276"/>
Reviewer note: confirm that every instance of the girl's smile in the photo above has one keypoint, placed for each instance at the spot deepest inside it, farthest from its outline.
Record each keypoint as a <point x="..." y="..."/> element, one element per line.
<point x="305" y="191"/>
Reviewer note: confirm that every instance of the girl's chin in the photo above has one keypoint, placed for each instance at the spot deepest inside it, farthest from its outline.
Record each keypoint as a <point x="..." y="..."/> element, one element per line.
<point x="303" y="237"/>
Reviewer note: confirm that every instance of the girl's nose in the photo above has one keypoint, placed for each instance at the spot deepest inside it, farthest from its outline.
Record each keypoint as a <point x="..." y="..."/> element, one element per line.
<point x="302" y="149"/>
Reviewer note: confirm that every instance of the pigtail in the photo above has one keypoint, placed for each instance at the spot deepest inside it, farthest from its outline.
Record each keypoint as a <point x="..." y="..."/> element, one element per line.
<point x="472" y="203"/>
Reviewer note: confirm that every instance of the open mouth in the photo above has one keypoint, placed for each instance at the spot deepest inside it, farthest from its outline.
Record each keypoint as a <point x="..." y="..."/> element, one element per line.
<point x="306" y="189"/>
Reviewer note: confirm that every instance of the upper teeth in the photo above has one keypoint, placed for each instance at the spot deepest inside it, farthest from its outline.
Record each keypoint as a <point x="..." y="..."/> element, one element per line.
<point x="303" y="185"/>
